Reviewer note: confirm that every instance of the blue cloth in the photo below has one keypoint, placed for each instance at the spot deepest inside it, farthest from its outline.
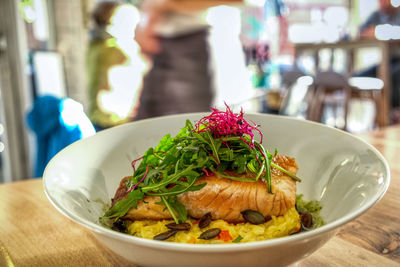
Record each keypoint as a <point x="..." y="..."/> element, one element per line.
<point x="52" y="132"/>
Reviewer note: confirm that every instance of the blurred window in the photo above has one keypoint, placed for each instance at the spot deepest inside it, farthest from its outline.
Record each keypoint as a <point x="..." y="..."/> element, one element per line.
<point x="48" y="73"/>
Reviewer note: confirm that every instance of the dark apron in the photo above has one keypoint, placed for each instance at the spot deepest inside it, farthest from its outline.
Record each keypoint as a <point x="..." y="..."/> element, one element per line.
<point x="180" y="79"/>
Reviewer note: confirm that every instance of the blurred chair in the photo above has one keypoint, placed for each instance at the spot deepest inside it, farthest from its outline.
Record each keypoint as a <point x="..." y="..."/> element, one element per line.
<point x="295" y="85"/>
<point x="331" y="93"/>
<point x="364" y="105"/>
<point x="291" y="76"/>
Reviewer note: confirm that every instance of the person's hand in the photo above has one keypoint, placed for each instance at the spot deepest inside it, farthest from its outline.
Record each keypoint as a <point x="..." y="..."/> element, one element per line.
<point x="145" y="34"/>
<point x="147" y="39"/>
<point x="157" y="8"/>
<point x="153" y="12"/>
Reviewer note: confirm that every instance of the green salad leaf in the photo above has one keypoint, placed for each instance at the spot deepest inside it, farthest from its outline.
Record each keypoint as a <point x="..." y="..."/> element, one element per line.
<point x="122" y="207"/>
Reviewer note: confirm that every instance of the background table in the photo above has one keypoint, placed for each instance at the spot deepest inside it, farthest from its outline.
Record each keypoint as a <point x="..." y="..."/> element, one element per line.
<point x="350" y="47"/>
<point x="34" y="233"/>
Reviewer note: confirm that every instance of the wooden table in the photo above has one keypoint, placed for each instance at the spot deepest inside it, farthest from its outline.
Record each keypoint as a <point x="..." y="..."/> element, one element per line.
<point x="350" y="47"/>
<point x="34" y="233"/>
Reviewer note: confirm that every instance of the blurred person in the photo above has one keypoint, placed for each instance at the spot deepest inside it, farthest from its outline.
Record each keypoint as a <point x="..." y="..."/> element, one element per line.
<point x="175" y="36"/>
<point x="232" y="79"/>
<point x="386" y="14"/>
<point x="115" y="67"/>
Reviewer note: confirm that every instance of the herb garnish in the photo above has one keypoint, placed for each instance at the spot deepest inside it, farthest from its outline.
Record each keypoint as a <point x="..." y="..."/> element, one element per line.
<point x="237" y="239"/>
<point x="221" y="143"/>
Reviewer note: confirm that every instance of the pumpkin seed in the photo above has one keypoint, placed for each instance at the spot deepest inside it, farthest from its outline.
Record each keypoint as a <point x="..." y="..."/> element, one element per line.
<point x="179" y="227"/>
<point x="210" y="234"/>
<point x="205" y="220"/>
<point x="120" y="226"/>
<point x="253" y="216"/>
<point x="165" y="235"/>
<point x="306" y="221"/>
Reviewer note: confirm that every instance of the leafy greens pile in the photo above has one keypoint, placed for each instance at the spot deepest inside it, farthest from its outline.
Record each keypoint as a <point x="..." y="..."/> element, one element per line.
<point x="221" y="143"/>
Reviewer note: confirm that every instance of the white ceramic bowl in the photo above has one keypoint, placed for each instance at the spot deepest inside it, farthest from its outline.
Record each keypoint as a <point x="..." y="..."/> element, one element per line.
<point x="345" y="173"/>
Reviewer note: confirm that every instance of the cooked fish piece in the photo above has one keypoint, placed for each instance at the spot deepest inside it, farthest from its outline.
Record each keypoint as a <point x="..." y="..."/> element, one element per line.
<point x="226" y="198"/>
<point x="147" y="208"/>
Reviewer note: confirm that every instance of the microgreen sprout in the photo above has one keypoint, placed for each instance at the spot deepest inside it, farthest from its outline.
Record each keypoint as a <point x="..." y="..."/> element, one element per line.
<point x="144" y="176"/>
<point x="227" y="123"/>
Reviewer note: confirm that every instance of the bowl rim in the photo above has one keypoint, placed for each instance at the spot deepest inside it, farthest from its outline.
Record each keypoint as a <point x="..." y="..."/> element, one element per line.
<point x="218" y="248"/>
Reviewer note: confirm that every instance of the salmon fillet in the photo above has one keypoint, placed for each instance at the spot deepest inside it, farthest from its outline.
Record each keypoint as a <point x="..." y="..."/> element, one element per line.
<point x="226" y="198"/>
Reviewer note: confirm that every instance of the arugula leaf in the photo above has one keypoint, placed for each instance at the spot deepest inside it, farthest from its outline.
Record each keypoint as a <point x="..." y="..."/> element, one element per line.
<point x="168" y="180"/>
<point x="291" y="175"/>
<point x="240" y="163"/>
<point x="236" y="178"/>
<point x="201" y="138"/>
<point x="213" y="146"/>
<point x="176" y="190"/>
<point x="226" y="154"/>
<point x="122" y="207"/>
<point x="196" y="187"/>
<point x="165" y="143"/>
<point x="252" y="166"/>
<point x="179" y="208"/>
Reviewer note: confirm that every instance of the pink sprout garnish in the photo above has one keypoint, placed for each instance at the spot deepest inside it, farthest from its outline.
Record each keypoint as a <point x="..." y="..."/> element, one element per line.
<point x="133" y="163"/>
<point x="259" y="163"/>
<point x="227" y="123"/>
<point x="162" y="152"/>
<point x="206" y="172"/>
<point x="215" y="159"/>
<point x="144" y="176"/>
<point x="226" y="144"/>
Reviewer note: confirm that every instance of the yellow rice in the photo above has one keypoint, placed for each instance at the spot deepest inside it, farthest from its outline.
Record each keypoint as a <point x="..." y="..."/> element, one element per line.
<point x="276" y="227"/>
